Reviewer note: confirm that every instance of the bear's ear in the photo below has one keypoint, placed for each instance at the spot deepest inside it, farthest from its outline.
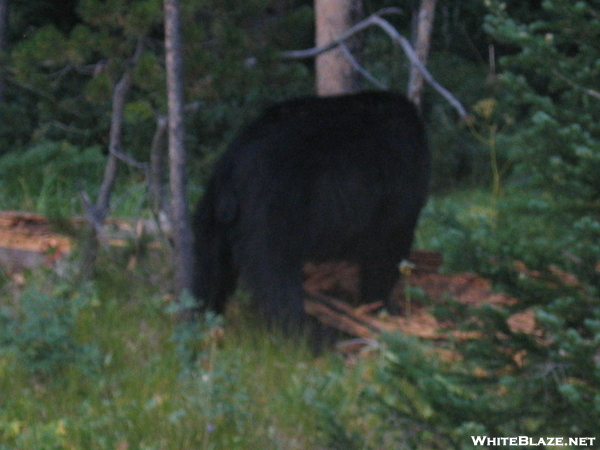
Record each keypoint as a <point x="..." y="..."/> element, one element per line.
<point x="227" y="207"/>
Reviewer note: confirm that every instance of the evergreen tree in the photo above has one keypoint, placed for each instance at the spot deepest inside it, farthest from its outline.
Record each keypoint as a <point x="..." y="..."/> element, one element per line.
<point x="505" y="381"/>
<point x="551" y="91"/>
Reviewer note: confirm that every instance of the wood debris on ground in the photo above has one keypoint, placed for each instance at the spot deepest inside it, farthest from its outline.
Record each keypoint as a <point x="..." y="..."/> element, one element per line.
<point x="333" y="299"/>
<point x="28" y="240"/>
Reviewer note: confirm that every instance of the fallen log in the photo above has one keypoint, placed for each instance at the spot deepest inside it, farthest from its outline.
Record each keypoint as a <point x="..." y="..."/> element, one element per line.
<point x="335" y="320"/>
<point x="343" y="317"/>
<point x="28" y="240"/>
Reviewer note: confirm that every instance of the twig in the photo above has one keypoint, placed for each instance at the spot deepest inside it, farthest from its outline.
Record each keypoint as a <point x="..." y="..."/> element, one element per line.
<point x="69" y="129"/>
<point x="90" y="212"/>
<point x="315" y="51"/>
<point x="128" y="159"/>
<point x="590" y="92"/>
<point x="360" y="69"/>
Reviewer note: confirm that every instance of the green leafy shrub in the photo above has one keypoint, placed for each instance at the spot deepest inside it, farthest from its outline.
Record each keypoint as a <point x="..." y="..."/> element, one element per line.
<point x="40" y="333"/>
<point x="194" y="338"/>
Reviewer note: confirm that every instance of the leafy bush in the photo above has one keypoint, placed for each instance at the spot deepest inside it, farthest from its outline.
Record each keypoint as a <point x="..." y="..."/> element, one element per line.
<point x="40" y="333"/>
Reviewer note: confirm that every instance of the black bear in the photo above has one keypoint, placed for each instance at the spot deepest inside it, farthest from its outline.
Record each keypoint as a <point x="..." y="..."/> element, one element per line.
<point x="312" y="180"/>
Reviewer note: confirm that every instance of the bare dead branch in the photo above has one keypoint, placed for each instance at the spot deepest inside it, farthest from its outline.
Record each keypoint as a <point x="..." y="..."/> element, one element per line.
<point x="62" y="72"/>
<point x="360" y="69"/>
<point x="89" y="211"/>
<point x="587" y="91"/>
<point x="492" y="60"/>
<point x="95" y="214"/>
<point x="192" y="106"/>
<point x="128" y="159"/>
<point x="158" y="159"/>
<point x="116" y="126"/>
<point x="362" y="25"/>
<point x="388" y="28"/>
<point x="158" y="163"/>
<point x="69" y="129"/>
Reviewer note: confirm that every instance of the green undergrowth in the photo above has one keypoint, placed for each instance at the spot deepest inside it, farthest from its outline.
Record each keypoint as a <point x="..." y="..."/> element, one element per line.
<point x="105" y="365"/>
<point x="87" y="371"/>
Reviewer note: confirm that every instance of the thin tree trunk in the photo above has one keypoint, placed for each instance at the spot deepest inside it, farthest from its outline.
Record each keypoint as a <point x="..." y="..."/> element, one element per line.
<point x="116" y="132"/>
<point x="182" y="235"/>
<point x="96" y="214"/>
<point x="3" y="43"/>
<point x="158" y="165"/>
<point x="424" y="27"/>
<point x="334" y="71"/>
<point x="114" y="146"/>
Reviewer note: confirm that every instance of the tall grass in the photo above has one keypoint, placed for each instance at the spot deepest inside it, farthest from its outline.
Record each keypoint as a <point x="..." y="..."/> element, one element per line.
<point x="248" y="389"/>
<point x="49" y="177"/>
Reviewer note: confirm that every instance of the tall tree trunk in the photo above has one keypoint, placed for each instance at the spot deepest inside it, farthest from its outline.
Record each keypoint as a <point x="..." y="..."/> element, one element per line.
<point x="182" y="235"/>
<point x="334" y="71"/>
<point x="423" y="26"/>
<point x="3" y="43"/>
